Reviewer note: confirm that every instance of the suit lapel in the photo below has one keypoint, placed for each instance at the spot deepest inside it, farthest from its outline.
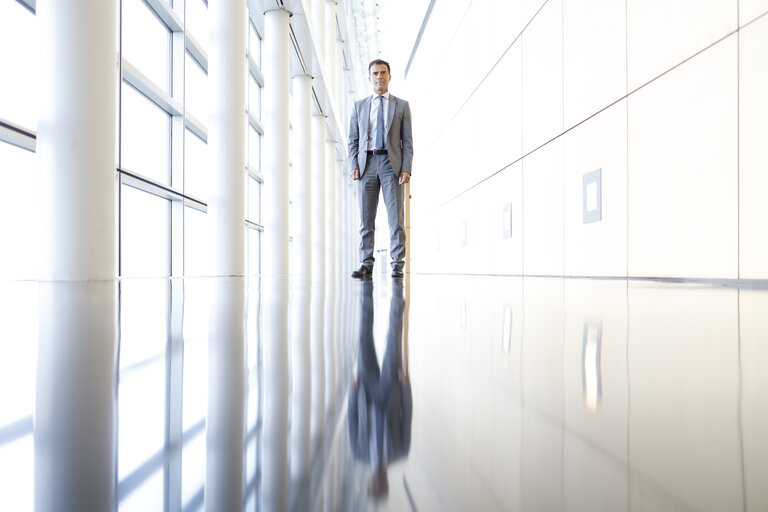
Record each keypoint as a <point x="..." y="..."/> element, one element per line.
<point x="365" y="118"/>
<point x="390" y="113"/>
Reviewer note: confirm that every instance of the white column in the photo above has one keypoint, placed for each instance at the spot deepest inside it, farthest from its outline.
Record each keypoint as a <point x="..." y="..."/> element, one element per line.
<point x="302" y="154"/>
<point x="329" y="60"/>
<point x="318" y="196"/>
<point x="339" y="74"/>
<point x="330" y="276"/>
<point x="318" y="24"/>
<point x="226" y="137"/>
<point x="275" y="110"/>
<point x="318" y="276"/>
<point x="76" y="138"/>
<point x="330" y="209"/>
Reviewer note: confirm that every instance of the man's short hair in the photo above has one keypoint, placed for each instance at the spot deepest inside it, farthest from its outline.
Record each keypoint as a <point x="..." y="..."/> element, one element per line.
<point x="376" y="62"/>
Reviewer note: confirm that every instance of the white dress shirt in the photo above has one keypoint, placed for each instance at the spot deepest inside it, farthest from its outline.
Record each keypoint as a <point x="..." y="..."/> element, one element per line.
<point x="374" y="117"/>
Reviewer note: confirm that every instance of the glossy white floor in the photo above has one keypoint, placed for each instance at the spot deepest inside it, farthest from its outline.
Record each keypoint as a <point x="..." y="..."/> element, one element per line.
<point x="491" y="393"/>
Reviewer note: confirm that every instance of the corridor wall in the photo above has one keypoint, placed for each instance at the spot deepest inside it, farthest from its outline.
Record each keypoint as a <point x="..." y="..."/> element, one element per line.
<point x="591" y="138"/>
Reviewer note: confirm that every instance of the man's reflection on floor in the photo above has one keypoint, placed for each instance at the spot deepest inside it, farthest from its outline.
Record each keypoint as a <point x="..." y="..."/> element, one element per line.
<point x="380" y="402"/>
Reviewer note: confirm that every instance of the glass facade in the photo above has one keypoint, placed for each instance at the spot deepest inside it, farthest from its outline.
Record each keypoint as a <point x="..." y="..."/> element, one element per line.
<point x="163" y="176"/>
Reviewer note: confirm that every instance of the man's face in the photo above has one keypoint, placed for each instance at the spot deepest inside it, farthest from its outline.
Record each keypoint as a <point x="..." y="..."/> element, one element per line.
<point x="379" y="77"/>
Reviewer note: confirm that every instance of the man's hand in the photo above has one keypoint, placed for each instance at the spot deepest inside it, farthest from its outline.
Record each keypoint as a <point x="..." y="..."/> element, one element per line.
<point x="355" y="174"/>
<point x="405" y="177"/>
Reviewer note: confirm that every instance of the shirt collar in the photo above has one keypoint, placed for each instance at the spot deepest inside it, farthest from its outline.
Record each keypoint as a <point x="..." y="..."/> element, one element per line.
<point x="386" y="95"/>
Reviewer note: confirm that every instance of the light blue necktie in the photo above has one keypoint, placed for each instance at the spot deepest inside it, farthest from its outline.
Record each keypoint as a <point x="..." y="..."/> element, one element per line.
<point x="380" y="126"/>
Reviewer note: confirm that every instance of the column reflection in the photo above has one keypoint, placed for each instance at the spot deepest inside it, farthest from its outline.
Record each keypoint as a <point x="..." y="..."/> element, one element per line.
<point x="318" y="361"/>
<point x="226" y="395"/>
<point x="75" y="405"/>
<point x="274" y="466"/>
<point x="301" y="387"/>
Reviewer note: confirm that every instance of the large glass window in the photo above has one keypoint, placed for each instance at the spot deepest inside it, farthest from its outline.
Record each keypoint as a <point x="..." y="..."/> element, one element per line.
<point x="196" y="81"/>
<point x="146" y="136"/>
<point x="196" y="243"/>
<point x="254" y="44"/>
<point x="197" y="21"/>
<point x="19" y="51"/>
<point x="196" y="167"/>
<point x="254" y="148"/>
<point x="19" y="213"/>
<point x="254" y="97"/>
<point x="146" y="42"/>
<point x="254" y="201"/>
<point x="144" y="234"/>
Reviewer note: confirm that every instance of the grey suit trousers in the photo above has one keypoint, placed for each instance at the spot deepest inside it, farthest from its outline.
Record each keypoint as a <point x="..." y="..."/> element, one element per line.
<point x="379" y="175"/>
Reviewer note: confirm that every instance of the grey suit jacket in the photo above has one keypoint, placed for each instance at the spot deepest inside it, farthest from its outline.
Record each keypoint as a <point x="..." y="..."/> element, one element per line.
<point x="398" y="130"/>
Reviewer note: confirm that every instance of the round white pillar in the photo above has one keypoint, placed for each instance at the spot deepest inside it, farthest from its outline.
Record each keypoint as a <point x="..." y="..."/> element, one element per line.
<point x="302" y="241"/>
<point x="317" y="342"/>
<point x="330" y="209"/>
<point x="318" y="196"/>
<point x="329" y="59"/>
<point x="226" y="137"/>
<point x="76" y="139"/>
<point x="302" y="155"/>
<point x="330" y="275"/>
<point x="275" y="109"/>
<point x="339" y="74"/>
<point x="318" y="22"/>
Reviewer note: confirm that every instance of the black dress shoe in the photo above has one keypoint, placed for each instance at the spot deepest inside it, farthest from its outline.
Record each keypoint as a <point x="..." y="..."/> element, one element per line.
<point x="396" y="272"/>
<point x="362" y="272"/>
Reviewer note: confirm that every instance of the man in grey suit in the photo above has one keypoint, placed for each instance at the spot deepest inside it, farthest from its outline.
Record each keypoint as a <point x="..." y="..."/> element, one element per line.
<point x="380" y="157"/>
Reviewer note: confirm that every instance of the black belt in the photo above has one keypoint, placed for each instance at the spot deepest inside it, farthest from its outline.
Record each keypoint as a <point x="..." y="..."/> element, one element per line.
<point x="377" y="152"/>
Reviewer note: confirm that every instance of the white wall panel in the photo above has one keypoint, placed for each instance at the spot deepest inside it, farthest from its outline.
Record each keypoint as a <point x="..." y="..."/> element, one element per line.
<point x="543" y="211"/>
<point x="542" y="57"/>
<point x="497" y="133"/>
<point x="751" y="9"/>
<point x="481" y="229"/>
<point x="481" y="43"/>
<point x="753" y="150"/>
<point x="530" y="8"/>
<point x="663" y="33"/>
<point x="505" y="17"/>
<point x="507" y="188"/>
<point x="683" y="170"/>
<point x="594" y="57"/>
<point x="682" y="196"/>
<point x="597" y="248"/>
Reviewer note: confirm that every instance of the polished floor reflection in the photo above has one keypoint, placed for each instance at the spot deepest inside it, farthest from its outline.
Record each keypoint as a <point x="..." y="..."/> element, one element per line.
<point x="432" y="393"/>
